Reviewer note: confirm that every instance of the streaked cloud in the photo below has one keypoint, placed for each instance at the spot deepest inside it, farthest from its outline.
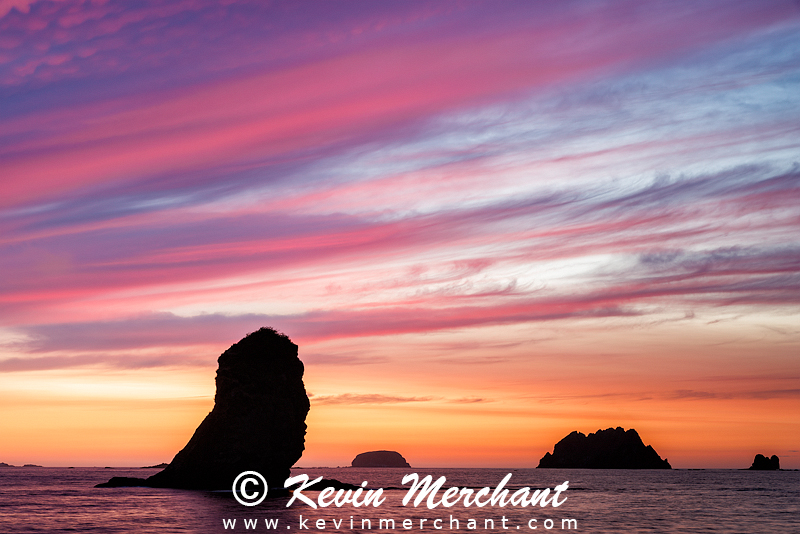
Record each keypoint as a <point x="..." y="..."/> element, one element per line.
<point x="130" y="361"/>
<point x="371" y="398"/>
<point x="755" y="395"/>
<point x="506" y="192"/>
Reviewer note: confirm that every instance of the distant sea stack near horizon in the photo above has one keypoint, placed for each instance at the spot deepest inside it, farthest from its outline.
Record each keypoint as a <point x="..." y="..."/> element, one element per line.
<point x="762" y="463"/>
<point x="613" y="448"/>
<point x="379" y="459"/>
<point x="257" y="424"/>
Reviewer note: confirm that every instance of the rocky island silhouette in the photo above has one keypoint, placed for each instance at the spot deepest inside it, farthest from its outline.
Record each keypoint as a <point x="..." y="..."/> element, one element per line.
<point x="379" y="459"/>
<point x="613" y="448"/>
<point x="762" y="463"/>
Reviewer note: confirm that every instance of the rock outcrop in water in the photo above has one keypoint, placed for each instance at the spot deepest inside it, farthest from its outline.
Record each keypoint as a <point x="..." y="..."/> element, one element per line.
<point x="257" y="424"/>
<point x="380" y="459"/>
<point x="762" y="463"/>
<point x="613" y="448"/>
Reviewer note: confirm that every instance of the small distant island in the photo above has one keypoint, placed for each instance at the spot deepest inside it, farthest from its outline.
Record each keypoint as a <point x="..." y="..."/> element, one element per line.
<point x="380" y="459"/>
<point x="613" y="448"/>
<point x="157" y="466"/>
<point x="3" y="464"/>
<point x="762" y="463"/>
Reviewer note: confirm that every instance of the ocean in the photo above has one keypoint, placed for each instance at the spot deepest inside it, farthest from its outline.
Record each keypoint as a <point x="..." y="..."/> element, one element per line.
<point x="62" y="500"/>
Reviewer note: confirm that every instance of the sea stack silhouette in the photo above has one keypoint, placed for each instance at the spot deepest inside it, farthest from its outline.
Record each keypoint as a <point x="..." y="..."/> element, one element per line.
<point x="762" y="463"/>
<point x="257" y="424"/>
<point x="613" y="448"/>
<point x="379" y="459"/>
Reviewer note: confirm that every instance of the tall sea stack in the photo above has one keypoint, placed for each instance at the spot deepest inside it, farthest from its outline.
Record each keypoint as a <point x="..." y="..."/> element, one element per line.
<point x="258" y="420"/>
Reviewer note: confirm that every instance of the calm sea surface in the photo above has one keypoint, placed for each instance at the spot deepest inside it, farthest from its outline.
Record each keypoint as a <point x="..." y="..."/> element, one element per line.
<point x="58" y="500"/>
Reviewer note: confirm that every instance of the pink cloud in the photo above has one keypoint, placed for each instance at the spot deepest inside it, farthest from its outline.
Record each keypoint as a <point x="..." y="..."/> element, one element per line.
<point x="720" y="278"/>
<point x="657" y="223"/>
<point x="23" y="6"/>
<point x="325" y="101"/>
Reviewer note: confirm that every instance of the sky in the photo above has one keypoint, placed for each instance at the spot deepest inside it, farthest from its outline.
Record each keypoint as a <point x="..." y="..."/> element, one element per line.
<point x="485" y="224"/>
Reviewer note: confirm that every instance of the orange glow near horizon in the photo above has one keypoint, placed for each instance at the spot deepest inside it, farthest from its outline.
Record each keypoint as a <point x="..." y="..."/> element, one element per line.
<point x="411" y="399"/>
